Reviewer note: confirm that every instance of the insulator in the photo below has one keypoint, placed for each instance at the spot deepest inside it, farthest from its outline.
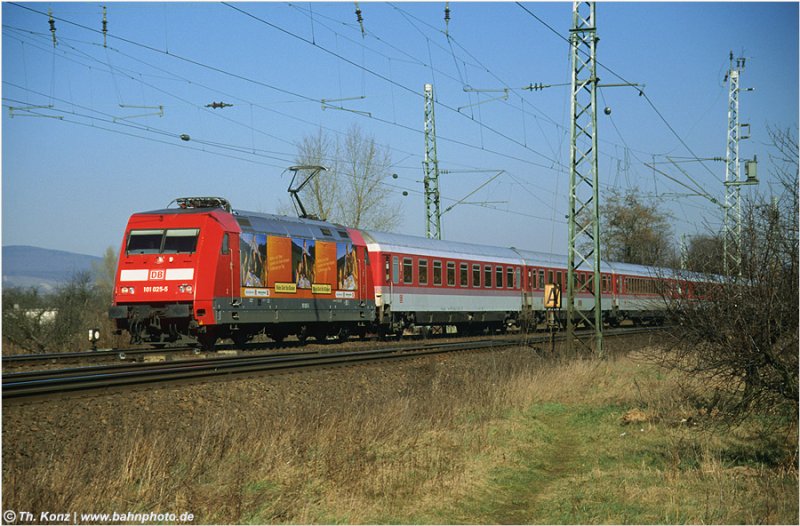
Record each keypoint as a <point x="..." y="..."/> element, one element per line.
<point x="52" y="26"/>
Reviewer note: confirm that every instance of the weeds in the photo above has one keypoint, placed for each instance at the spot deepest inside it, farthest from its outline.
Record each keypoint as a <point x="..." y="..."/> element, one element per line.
<point x="486" y="439"/>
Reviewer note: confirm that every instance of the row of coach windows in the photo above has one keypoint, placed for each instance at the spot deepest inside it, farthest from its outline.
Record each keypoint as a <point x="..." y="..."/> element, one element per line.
<point x="641" y="286"/>
<point x="583" y="280"/>
<point x="433" y="273"/>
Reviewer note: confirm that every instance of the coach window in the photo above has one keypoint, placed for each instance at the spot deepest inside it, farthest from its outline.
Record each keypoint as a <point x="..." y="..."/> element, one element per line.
<point x="395" y="270"/>
<point x="487" y="276"/>
<point x="476" y="275"/>
<point x="509" y="277"/>
<point x="423" y="271"/>
<point x="541" y="279"/>
<point x="463" y="270"/>
<point x="517" y="275"/>
<point x="558" y="279"/>
<point x="498" y="277"/>
<point x="408" y="270"/>
<point x="550" y="276"/>
<point x="451" y="274"/>
<point x="437" y="272"/>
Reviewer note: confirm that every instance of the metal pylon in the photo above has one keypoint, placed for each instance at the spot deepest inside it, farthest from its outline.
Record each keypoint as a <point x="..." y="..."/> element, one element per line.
<point x="584" y="210"/>
<point x="732" y="237"/>
<point x="433" y="225"/>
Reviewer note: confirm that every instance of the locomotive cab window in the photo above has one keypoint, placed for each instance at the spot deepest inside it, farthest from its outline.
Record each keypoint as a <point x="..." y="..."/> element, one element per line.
<point x="173" y="241"/>
<point x="180" y="241"/>
<point x="226" y="249"/>
<point x="145" y="241"/>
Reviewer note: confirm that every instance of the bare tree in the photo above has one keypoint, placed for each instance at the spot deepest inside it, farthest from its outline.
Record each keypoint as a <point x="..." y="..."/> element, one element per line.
<point x="635" y="231"/>
<point x="105" y="274"/>
<point x="319" y="150"/>
<point x="742" y="336"/>
<point x="706" y="254"/>
<point x="352" y="191"/>
<point x="365" y="201"/>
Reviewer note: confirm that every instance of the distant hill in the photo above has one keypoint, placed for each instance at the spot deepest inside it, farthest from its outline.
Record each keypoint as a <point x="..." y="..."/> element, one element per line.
<point x="45" y="269"/>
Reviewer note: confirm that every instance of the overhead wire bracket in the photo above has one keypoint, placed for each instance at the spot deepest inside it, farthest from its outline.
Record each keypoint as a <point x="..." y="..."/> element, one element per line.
<point x="327" y="106"/>
<point x="27" y="109"/>
<point x="504" y="96"/>
<point x="159" y="113"/>
<point x="463" y="200"/>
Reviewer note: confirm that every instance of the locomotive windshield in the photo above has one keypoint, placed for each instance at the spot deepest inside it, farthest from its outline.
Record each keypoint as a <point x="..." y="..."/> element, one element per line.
<point x="172" y="241"/>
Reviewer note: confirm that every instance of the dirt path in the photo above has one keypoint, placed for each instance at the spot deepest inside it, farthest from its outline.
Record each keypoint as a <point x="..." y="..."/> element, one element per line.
<point x="550" y="453"/>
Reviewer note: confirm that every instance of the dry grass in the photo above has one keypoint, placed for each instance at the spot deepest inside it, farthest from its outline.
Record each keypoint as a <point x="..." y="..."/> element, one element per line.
<point x="495" y="438"/>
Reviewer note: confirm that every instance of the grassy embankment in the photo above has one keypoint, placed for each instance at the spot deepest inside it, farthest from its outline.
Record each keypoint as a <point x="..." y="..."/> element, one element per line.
<point x="508" y="438"/>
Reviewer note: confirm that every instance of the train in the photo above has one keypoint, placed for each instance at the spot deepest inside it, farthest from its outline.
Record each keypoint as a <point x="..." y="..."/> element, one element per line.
<point x="201" y="271"/>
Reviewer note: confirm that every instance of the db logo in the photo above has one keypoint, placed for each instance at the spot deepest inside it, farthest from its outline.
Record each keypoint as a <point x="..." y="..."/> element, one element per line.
<point x="157" y="274"/>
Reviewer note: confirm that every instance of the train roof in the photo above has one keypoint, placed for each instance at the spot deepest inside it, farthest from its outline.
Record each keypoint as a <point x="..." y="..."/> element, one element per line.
<point x="257" y="221"/>
<point x="290" y="226"/>
<point x="391" y="242"/>
<point x="402" y="243"/>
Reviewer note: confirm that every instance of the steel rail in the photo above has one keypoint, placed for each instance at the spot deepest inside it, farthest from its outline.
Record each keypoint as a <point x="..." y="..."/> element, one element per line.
<point x="62" y="381"/>
<point x="22" y="385"/>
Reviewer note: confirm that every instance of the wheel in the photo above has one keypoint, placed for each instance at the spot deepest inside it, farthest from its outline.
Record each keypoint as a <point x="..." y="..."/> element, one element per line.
<point x="277" y="337"/>
<point x="342" y="335"/>
<point x="240" y="338"/>
<point x="207" y="341"/>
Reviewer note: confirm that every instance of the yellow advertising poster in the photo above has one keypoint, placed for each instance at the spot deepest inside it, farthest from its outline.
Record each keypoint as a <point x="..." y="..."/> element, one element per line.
<point x="325" y="264"/>
<point x="279" y="261"/>
<point x="286" y="288"/>
<point x="317" y="288"/>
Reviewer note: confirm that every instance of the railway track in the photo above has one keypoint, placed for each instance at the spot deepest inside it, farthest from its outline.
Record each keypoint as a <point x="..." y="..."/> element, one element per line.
<point x="23" y="385"/>
<point x="131" y="354"/>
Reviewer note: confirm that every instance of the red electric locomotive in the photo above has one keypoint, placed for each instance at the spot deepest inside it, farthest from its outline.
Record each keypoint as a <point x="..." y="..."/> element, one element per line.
<point x="204" y="271"/>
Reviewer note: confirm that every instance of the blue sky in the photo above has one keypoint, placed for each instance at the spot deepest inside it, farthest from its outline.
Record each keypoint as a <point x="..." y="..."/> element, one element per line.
<point x="70" y="183"/>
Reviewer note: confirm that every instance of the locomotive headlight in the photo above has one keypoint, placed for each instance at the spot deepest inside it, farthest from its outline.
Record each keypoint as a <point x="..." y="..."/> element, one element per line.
<point x="181" y="288"/>
<point x="124" y="290"/>
<point x="189" y="289"/>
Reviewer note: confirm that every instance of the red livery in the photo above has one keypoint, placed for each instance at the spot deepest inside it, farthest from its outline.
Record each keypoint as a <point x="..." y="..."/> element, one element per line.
<point x="203" y="271"/>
